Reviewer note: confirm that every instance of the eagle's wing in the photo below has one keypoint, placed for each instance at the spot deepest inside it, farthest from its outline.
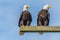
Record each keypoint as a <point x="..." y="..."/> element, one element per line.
<point x="48" y="18"/>
<point x="39" y="18"/>
<point x="20" y="20"/>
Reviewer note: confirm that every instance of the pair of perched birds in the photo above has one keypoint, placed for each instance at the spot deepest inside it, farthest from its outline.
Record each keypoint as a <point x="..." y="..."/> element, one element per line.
<point x="42" y="19"/>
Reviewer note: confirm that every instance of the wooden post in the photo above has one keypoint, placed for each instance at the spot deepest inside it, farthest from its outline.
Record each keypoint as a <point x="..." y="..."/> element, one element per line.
<point x="39" y="29"/>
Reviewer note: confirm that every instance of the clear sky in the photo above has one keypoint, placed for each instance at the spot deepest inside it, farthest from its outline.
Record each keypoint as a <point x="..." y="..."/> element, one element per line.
<point x="9" y="16"/>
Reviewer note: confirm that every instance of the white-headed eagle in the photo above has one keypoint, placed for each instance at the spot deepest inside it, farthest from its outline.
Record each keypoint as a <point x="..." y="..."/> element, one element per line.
<point x="25" y="17"/>
<point x="43" y="16"/>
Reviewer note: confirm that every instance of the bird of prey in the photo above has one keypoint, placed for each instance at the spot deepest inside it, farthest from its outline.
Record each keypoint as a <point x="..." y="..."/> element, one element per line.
<point x="25" y="17"/>
<point x="43" y="16"/>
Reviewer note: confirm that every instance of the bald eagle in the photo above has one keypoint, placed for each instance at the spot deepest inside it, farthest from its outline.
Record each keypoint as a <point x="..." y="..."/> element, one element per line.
<point x="25" y="17"/>
<point x="43" y="16"/>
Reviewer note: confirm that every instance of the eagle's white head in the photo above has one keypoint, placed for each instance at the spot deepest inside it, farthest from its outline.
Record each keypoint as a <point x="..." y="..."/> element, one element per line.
<point x="26" y="7"/>
<point x="46" y="7"/>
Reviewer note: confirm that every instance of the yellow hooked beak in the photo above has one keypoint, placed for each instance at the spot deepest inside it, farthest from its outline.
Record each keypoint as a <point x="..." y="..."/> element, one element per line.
<point x="50" y="6"/>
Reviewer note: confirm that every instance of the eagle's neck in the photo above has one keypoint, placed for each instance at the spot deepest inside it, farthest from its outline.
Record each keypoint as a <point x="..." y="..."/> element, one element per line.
<point x="45" y="10"/>
<point x="25" y="9"/>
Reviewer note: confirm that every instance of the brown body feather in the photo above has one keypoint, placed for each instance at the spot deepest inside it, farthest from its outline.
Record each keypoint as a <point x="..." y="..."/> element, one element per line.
<point x="25" y="19"/>
<point x="43" y="18"/>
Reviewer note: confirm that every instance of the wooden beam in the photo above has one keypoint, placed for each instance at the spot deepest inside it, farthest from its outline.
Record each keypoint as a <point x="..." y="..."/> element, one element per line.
<point x="40" y="29"/>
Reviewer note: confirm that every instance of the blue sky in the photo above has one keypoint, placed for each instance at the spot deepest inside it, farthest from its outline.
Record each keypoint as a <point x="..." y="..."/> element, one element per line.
<point x="9" y="15"/>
